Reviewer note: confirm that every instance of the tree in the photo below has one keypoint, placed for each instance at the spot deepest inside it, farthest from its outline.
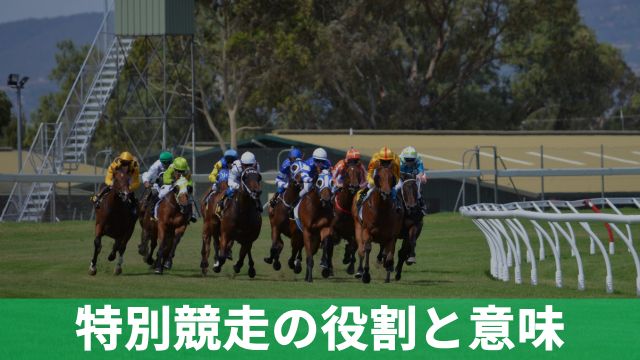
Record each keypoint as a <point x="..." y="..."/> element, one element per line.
<point x="5" y="118"/>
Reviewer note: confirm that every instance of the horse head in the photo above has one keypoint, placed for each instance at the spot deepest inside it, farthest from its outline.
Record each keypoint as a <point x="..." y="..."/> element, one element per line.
<point x="324" y="185"/>
<point x="354" y="178"/>
<point x="384" y="181"/>
<point x="181" y="190"/>
<point x="250" y="180"/>
<point x="409" y="191"/>
<point x="121" y="182"/>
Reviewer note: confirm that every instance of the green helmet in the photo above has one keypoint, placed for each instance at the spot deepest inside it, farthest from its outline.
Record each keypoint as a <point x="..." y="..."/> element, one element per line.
<point x="180" y="164"/>
<point x="409" y="153"/>
<point x="166" y="157"/>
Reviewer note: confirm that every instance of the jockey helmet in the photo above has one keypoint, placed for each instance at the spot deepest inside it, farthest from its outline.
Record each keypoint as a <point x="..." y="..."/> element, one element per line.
<point x="409" y="154"/>
<point x="295" y="154"/>
<point x="126" y="156"/>
<point x="180" y="164"/>
<point x="353" y="154"/>
<point x="231" y="153"/>
<point x="166" y="157"/>
<point x="320" y="154"/>
<point x="248" y="158"/>
<point x="386" y="154"/>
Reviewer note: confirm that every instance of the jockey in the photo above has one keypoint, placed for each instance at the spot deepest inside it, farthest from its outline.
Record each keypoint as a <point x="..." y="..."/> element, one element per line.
<point x="152" y="178"/>
<point x="410" y="163"/>
<point x="224" y="163"/>
<point x="247" y="160"/>
<point x="179" y="168"/>
<point x="318" y="161"/>
<point x="282" y="179"/>
<point x="340" y="170"/>
<point x="306" y="176"/>
<point x="384" y="157"/>
<point x="124" y="162"/>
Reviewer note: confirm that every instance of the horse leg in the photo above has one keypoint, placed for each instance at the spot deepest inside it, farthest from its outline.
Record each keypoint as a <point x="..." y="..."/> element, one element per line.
<point x="413" y="237"/>
<point x="152" y="248"/>
<point x="97" y="246"/>
<point x="112" y="255"/>
<point x="162" y="244"/>
<point x="309" y="252"/>
<point x="221" y="256"/>
<point x="297" y="244"/>
<point x="403" y="254"/>
<point x="380" y="257"/>
<point x="144" y="242"/>
<point x="121" y="249"/>
<point x="206" y="249"/>
<point x="352" y="246"/>
<point x="179" y="232"/>
<point x="252" y="269"/>
<point x="366" y="240"/>
<point x="388" y="264"/>
<point x="327" y="253"/>
<point x="243" y="252"/>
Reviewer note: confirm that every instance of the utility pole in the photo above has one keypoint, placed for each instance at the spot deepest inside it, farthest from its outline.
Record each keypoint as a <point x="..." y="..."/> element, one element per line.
<point x="14" y="81"/>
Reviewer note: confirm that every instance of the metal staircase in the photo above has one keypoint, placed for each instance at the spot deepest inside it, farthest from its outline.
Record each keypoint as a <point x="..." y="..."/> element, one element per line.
<point x="62" y="146"/>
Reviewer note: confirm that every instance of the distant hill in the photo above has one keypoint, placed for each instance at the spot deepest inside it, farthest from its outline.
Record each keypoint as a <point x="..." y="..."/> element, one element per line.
<point x="616" y="22"/>
<point x="28" y="48"/>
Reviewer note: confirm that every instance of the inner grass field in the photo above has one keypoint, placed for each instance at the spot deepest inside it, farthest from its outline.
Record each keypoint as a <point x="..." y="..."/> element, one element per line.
<point x="50" y="260"/>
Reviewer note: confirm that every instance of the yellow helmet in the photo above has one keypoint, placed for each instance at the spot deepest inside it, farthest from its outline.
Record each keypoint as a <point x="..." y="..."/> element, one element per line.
<point x="386" y="153"/>
<point x="126" y="156"/>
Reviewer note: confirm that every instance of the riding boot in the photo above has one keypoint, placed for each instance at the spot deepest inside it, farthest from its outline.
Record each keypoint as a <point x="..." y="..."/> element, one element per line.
<point x="423" y="206"/>
<point x="97" y="198"/>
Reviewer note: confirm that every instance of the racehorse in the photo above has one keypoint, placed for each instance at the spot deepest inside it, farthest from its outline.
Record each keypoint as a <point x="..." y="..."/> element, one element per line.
<point x="380" y="223"/>
<point x="316" y="213"/>
<point x="342" y="226"/>
<point x="211" y="227"/>
<point x="281" y="223"/>
<point x="241" y="221"/>
<point x="115" y="219"/>
<point x="174" y="212"/>
<point x="411" y="223"/>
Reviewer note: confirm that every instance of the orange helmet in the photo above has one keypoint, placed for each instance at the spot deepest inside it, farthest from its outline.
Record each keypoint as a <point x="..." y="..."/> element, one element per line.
<point x="353" y="154"/>
<point x="386" y="154"/>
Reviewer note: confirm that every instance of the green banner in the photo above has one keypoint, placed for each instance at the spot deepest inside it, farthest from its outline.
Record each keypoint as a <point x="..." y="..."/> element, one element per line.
<point x="320" y="328"/>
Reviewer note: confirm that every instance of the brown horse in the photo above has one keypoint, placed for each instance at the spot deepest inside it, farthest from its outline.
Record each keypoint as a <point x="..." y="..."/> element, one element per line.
<point x="316" y="213"/>
<point x="411" y="223"/>
<point x="211" y="227"/>
<point x="281" y="223"/>
<point x="115" y="219"/>
<point x="241" y="221"/>
<point x="342" y="226"/>
<point x="381" y="222"/>
<point x="174" y="212"/>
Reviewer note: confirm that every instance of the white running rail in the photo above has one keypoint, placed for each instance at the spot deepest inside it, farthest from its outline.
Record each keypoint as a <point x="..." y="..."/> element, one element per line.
<point x="553" y="222"/>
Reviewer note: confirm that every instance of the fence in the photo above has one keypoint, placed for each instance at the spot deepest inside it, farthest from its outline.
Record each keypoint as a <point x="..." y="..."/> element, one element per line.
<point x="504" y="232"/>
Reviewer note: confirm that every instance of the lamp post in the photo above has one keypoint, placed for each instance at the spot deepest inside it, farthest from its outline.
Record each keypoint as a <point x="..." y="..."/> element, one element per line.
<point x="17" y="83"/>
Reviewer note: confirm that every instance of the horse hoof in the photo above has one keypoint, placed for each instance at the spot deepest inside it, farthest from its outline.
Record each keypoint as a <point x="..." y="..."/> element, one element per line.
<point x="204" y="272"/>
<point x="158" y="271"/>
<point x="252" y="273"/>
<point x="291" y="264"/>
<point x="366" y="278"/>
<point x="411" y="261"/>
<point x="298" y="268"/>
<point x="345" y="260"/>
<point x="168" y="264"/>
<point x="350" y="269"/>
<point x="204" y="264"/>
<point x="117" y="271"/>
<point x="150" y="261"/>
<point x="358" y="275"/>
<point x="268" y="260"/>
<point x="142" y="250"/>
<point x="276" y="265"/>
<point x="216" y="269"/>
<point x="398" y="276"/>
<point x="112" y="256"/>
<point x="326" y="273"/>
<point x="236" y="269"/>
<point x="93" y="271"/>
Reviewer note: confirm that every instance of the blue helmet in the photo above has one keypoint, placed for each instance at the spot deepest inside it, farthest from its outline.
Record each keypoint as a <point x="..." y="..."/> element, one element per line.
<point x="295" y="153"/>
<point x="231" y="153"/>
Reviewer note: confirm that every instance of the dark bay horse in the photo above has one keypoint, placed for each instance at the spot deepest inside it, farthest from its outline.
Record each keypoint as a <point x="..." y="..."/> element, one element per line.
<point x="174" y="212"/>
<point x="411" y="223"/>
<point x="342" y="226"/>
<point x="316" y="213"/>
<point x="282" y="224"/>
<point x="114" y="218"/>
<point x="241" y="221"/>
<point x="211" y="227"/>
<point x="381" y="223"/>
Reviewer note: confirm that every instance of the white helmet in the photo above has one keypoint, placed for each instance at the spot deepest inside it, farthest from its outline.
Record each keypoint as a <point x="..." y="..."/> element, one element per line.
<point x="320" y="154"/>
<point x="409" y="153"/>
<point x="248" y="158"/>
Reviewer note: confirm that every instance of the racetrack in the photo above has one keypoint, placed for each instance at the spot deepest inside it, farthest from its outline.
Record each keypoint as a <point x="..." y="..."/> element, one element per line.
<point x="51" y="260"/>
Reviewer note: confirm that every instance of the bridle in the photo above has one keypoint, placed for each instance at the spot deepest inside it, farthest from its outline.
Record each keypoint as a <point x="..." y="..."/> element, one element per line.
<point x="254" y="194"/>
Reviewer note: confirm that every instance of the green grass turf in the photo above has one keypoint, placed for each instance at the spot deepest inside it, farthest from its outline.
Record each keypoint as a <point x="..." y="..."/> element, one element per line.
<point x="51" y="260"/>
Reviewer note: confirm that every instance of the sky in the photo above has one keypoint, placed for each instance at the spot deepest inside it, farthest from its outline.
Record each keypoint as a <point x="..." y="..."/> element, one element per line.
<point x="13" y="10"/>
